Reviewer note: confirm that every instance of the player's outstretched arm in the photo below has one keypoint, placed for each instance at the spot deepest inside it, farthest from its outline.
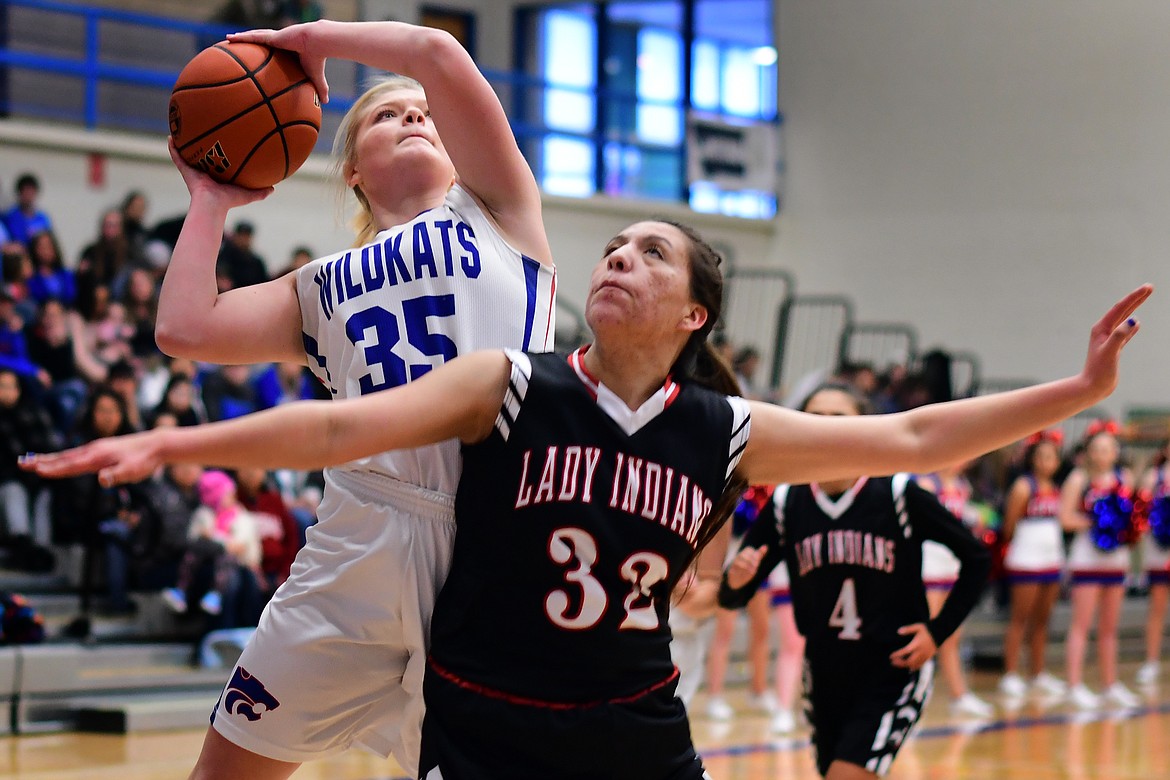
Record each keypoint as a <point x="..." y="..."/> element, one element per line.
<point x="467" y="113"/>
<point x="458" y="400"/>
<point x="787" y="446"/>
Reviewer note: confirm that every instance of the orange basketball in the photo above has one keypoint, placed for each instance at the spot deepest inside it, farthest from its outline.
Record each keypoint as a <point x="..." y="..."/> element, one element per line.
<point x="245" y="114"/>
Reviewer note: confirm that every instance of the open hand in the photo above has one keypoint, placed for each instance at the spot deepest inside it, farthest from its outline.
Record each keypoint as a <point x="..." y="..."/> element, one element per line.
<point x="1107" y="338"/>
<point x="116" y="460"/>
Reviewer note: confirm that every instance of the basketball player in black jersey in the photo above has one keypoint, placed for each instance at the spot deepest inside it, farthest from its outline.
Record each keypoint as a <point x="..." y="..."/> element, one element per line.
<point x="590" y="483"/>
<point x="853" y="549"/>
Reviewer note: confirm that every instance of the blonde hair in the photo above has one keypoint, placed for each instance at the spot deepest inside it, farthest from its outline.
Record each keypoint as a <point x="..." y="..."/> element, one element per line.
<point x="345" y="150"/>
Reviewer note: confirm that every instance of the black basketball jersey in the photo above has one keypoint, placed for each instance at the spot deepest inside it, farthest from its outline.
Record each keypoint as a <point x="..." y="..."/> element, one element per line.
<point x="855" y="563"/>
<point x="576" y="517"/>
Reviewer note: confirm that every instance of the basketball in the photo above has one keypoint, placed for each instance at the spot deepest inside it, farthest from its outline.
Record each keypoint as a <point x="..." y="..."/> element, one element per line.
<point x="245" y="114"/>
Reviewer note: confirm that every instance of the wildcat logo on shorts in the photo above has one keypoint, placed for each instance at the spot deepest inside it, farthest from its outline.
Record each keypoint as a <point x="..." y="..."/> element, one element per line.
<point x="247" y="696"/>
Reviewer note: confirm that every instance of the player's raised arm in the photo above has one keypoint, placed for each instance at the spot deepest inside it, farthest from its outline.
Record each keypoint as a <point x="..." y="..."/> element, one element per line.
<point x="465" y="108"/>
<point x="787" y="446"/>
<point x="194" y="320"/>
<point x="458" y="400"/>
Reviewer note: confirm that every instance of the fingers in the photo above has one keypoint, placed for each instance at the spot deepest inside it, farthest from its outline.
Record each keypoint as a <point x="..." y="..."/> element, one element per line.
<point x="68" y="463"/>
<point x="119" y="474"/>
<point x="1122" y="310"/>
<point x="252" y="36"/>
<point x="320" y="84"/>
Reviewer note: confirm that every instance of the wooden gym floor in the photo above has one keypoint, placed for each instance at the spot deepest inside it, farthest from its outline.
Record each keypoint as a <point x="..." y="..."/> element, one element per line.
<point x="1036" y="742"/>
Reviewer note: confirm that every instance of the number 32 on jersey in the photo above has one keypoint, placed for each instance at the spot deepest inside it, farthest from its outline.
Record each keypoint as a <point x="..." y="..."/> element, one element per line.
<point x="643" y="570"/>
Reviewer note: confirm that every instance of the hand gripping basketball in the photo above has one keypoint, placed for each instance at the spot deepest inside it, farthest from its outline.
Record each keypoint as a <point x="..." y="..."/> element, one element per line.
<point x="245" y="114"/>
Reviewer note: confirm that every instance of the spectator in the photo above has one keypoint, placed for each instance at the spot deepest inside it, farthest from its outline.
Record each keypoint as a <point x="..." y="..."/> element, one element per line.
<point x="24" y="427"/>
<point x="18" y="271"/>
<point x="223" y="536"/>
<point x="51" y="280"/>
<point x="179" y="400"/>
<point x="278" y="531"/>
<point x="105" y="332"/>
<point x="301" y="491"/>
<point x="13" y="344"/>
<point x="24" y="219"/>
<point x="237" y="262"/>
<point x="141" y="302"/>
<point x="96" y="516"/>
<point x="54" y="347"/>
<point x="123" y="379"/>
<point x="229" y="392"/>
<point x="861" y="376"/>
<point x="107" y="261"/>
<point x="156" y="375"/>
<point x="745" y="364"/>
<point x="133" y="209"/>
<point x="723" y="347"/>
<point x="170" y="498"/>
<point x="166" y="231"/>
<point x="279" y="383"/>
<point x="301" y="256"/>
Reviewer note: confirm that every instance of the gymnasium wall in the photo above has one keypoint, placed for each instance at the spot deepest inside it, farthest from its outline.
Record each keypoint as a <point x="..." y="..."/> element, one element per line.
<point x="994" y="172"/>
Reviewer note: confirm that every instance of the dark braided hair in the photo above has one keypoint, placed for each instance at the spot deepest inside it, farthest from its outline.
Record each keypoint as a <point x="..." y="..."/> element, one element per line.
<point x="700" y="363"/>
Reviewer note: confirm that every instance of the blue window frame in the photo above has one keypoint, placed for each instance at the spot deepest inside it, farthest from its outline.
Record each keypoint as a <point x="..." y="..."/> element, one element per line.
<point x="619" y="80"/>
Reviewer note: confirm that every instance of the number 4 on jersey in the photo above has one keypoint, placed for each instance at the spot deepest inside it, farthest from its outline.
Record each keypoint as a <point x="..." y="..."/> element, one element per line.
<point x="845" y="616"/>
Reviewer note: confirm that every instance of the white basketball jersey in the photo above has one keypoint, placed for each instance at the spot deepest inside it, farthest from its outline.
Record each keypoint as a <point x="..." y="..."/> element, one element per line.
<point x="444" y="284"/>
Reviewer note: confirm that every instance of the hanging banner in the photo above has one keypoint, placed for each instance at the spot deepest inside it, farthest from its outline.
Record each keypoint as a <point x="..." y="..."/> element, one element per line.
<point x="733" y="156"/>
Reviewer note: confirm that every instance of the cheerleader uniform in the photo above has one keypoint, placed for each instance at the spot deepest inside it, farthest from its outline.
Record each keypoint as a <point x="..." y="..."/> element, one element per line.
<point x="1036" y="551"/>
<point x="1155" y="543"/>
<point x="1089" y="564"/>
<point x="940" y="567"/>
<point x="778" y="585"/>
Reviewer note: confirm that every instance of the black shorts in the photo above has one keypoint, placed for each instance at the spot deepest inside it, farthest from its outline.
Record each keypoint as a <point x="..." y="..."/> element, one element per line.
<point x="862" y="713"/>
<point x="470" y="734"/>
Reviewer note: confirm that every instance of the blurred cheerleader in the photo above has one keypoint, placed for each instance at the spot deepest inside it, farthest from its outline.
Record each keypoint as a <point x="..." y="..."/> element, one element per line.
<point x="790" y="656"/>
<point x="940" y="570"/>
<point x="1155" y="546"/>
<point x="1096" y="506"/>
<point x="1033" y="564"/>
<point x="719" y="651"/>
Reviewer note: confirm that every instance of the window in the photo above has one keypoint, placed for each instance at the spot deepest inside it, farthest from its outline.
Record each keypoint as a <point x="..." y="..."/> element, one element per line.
<point x="613" y="113"/>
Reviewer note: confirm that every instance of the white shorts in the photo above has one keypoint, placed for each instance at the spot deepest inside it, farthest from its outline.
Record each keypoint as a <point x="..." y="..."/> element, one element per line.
<point x="940" y="567"/>
<point x="339" y="655"/>
<point x="1155" y="560"/>
<point x="688" y="650"/>
<point x="1090" y="565"/>
<point x="779" y="586"/>
<point x="1036" y="549"/>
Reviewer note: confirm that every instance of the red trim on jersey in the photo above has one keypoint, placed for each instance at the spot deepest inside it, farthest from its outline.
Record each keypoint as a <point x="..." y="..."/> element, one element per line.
<point x="672" y="391"/>
<point x="577" y="361"/>
<point x="524" y="701"/>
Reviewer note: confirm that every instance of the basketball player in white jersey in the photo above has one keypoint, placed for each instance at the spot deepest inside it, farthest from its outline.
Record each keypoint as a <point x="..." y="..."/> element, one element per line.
<point x="451" y="257"/>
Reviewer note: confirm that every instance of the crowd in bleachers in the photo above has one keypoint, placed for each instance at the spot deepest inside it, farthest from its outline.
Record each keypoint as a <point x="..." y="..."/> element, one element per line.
<point x="78" y="361"/>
